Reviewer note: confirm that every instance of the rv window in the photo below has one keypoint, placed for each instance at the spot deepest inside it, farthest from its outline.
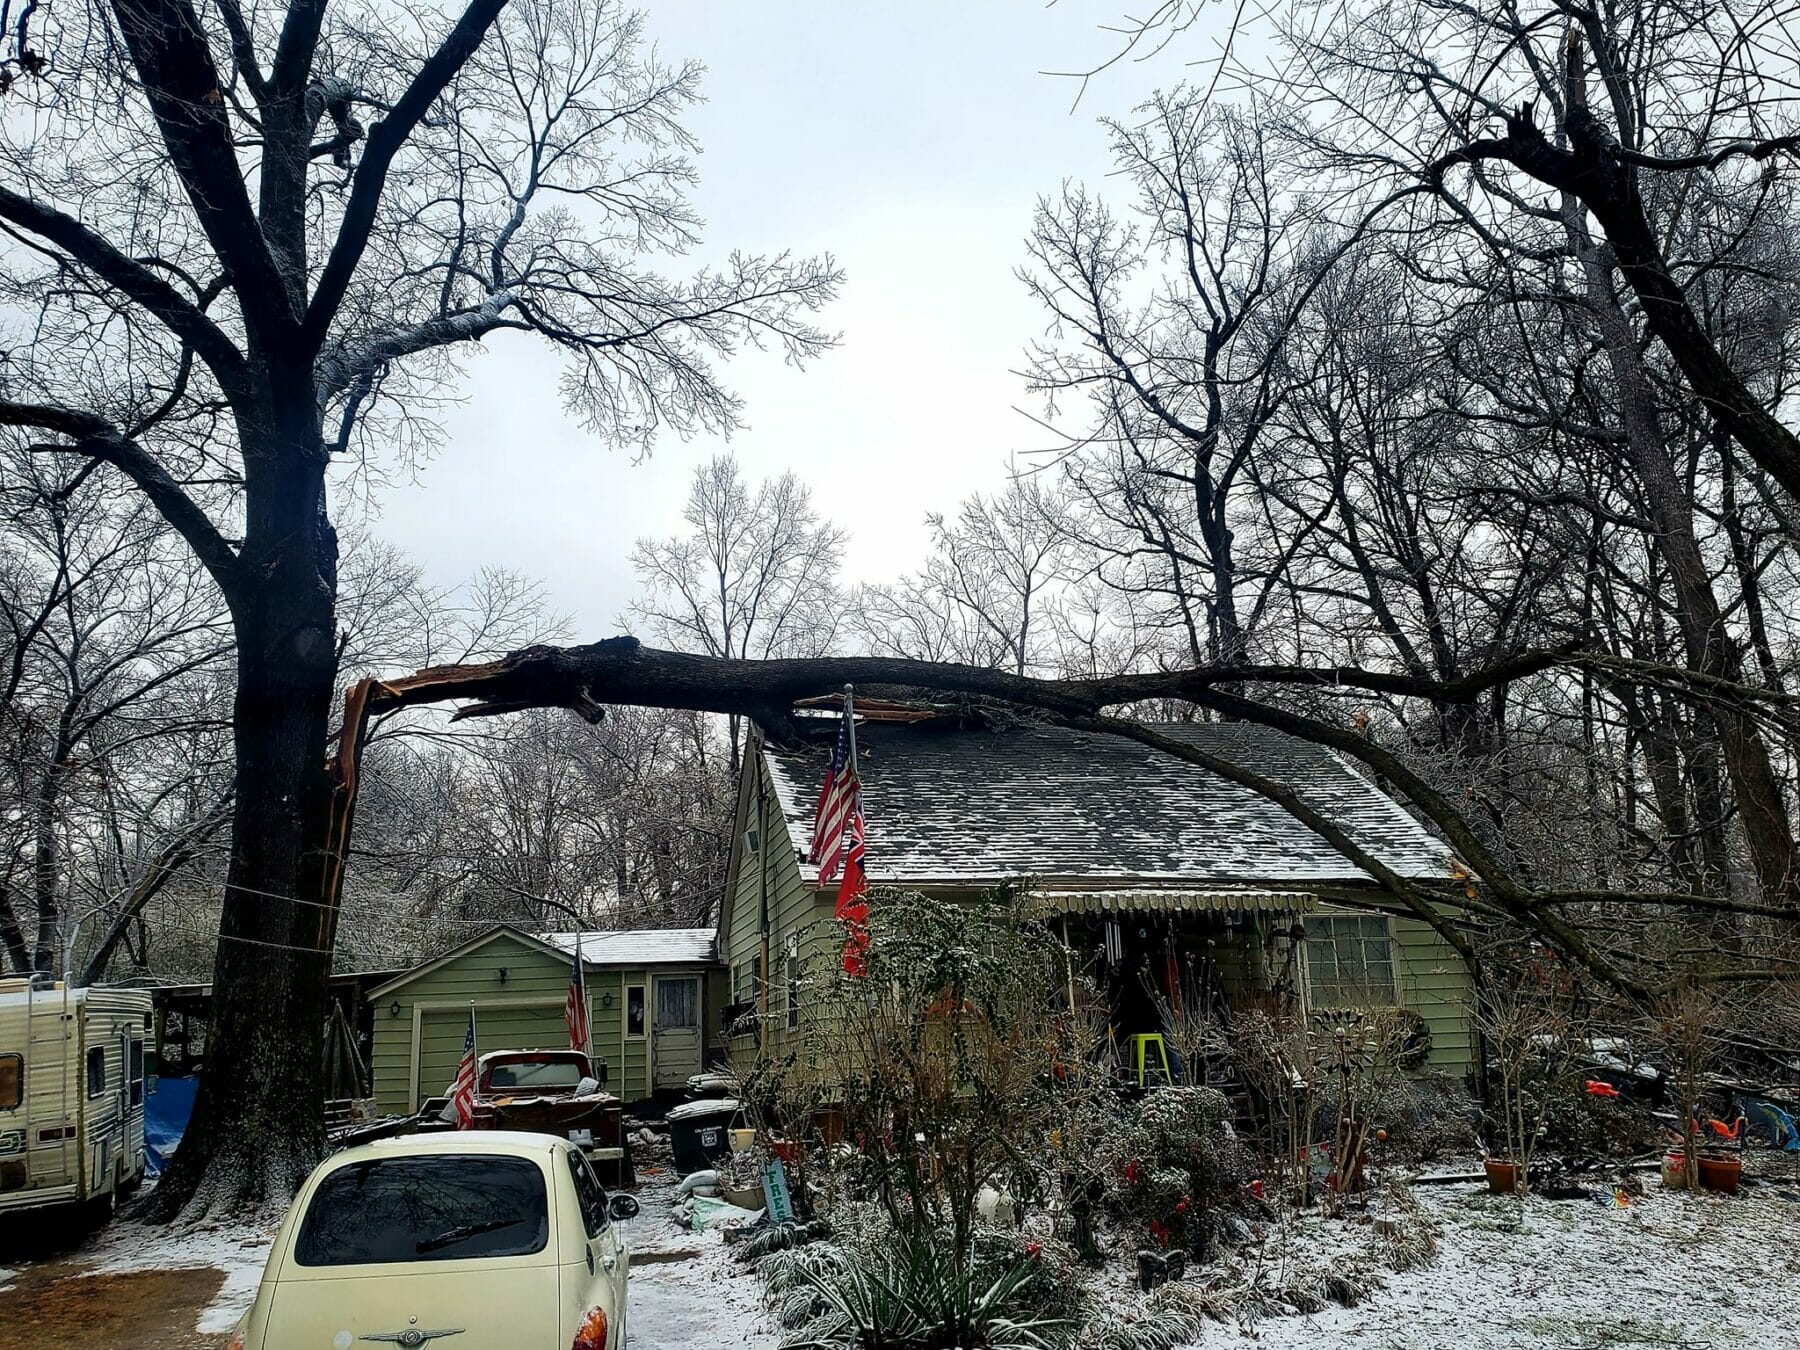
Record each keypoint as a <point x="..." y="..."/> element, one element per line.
<point x="137" y="1073"/>
<point x="96" y="1071"/>
<point x="12" y="1081"/>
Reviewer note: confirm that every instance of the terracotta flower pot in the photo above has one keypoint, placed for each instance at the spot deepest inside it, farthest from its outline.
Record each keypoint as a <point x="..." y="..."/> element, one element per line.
<point x="1720" y="1173"/>
<point x="1502" y="1176"/>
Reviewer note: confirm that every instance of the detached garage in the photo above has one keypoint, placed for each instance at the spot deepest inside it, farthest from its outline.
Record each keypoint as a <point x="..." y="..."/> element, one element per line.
<point x="654" y="997"/>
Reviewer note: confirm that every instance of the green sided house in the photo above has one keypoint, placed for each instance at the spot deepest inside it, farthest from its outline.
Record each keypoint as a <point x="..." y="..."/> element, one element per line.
<point x="652" y="995"/>
<point x="1155" y="870"/>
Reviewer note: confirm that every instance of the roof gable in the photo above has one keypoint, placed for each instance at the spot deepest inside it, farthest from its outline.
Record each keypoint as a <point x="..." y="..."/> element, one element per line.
<point x="627" y="947"/>
<point x="463" y="949"/>
<point x="951" y="806"/>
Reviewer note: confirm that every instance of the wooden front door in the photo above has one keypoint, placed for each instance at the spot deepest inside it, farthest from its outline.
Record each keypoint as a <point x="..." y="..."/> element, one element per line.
<point x="675" y="1030"/>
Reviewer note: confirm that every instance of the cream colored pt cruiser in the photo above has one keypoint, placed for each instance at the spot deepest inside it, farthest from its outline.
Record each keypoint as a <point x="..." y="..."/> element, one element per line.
<point x="477" y="1240"/>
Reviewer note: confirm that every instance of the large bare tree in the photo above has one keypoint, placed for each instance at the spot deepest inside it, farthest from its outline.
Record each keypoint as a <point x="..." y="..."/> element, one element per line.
<point x="755" y="574"/>
<point x="250" y="240"/>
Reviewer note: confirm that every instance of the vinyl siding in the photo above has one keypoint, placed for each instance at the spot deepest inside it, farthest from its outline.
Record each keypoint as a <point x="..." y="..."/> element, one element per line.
<point x="524" y="1012"/>
<point x="1435" y="983"/>
<point x="794" y="908"/>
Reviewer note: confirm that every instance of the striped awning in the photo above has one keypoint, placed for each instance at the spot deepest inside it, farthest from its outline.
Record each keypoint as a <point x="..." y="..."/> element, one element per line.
<point x="1174" y="901"/>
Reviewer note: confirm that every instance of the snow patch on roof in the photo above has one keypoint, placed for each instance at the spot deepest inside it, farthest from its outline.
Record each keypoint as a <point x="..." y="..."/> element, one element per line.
<point x="639" y="946"/>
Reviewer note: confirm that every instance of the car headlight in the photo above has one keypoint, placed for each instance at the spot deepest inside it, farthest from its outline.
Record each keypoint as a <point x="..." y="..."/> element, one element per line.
<point x="592" y="1335"/>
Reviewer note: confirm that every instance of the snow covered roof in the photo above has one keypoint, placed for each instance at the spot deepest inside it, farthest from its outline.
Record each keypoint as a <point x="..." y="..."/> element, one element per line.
<point x="1076" y="809"/>
<point x="639" y="947"/>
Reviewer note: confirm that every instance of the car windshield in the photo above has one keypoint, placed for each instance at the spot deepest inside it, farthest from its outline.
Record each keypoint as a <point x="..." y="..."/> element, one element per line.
<point x="558" y="1075"/>
<point x="442" y="1207"/>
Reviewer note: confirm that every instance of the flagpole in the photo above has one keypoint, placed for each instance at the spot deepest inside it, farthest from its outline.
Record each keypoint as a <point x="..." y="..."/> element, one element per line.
<point x="850" y="718"/>
<point x="474" y="1039"/>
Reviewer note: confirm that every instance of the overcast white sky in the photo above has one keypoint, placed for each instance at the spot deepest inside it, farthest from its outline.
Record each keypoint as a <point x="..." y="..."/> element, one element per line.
<point x="911" y="140"/>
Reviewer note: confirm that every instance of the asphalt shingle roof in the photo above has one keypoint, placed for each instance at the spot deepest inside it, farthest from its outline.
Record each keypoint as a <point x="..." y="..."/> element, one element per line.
<point x="946" y="805"/>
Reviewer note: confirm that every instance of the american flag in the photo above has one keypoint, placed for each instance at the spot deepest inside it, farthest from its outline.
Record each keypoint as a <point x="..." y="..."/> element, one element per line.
<point x="462" y="1091"/>
<point x="852" y="908"/>
<point x="839" y="800"/>
<point x="575" y="1009"/>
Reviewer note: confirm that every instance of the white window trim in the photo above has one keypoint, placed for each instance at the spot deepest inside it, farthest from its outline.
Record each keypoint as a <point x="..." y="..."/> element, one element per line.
<point x="1306" y="981"/>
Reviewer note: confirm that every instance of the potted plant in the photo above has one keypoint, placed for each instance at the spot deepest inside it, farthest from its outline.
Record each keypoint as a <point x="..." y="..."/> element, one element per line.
<point x="1529" y="1036"/>
<point x="1684" y="1025"/>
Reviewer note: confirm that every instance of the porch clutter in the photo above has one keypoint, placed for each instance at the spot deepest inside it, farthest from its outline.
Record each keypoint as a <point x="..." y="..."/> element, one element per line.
<point x="976" y="1155"/>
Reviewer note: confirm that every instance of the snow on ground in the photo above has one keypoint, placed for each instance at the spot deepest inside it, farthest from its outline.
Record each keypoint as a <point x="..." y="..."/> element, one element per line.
<point x="1671" y="1270"/>
<point x="237" y="1250"/>
<point x="687" y="1291"/>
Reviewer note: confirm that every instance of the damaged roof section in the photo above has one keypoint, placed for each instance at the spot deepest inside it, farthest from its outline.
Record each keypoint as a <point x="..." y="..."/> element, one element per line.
<point x="947" y="805"/>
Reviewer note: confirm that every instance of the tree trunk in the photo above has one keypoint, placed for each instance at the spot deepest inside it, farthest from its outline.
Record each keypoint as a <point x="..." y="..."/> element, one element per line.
<point x="1710" y="647"/>
<point x="258" y="1122"/>
<point x="12" y="936"/>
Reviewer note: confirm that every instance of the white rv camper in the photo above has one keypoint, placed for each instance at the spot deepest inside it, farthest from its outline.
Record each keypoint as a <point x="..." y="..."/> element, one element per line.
<point x="71" y="1093"/>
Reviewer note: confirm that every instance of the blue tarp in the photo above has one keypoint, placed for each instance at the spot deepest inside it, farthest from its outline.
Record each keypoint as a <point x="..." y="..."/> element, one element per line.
<point x="166" y="1113"/>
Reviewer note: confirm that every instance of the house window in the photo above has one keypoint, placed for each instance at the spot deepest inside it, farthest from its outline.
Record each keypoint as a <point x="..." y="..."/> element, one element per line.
<point x="96" y="1071"/>
<point x="1349" y="961"/>
<point x="793" y="982"/>
<point x="745" y="976"/>
<point x="634" y="1010"/>
<point x="12" y="1081"/>
<point x="677" y="1004"/>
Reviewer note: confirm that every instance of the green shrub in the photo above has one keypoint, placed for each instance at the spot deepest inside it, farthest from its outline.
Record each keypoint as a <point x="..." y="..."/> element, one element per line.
<point x="1176" y="1171"/>
<point x="923" y="1299"/>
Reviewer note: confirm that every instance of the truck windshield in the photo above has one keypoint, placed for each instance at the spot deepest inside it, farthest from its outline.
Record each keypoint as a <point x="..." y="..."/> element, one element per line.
<point x="555" y="1076"/>
<point x="446" y="1207"/>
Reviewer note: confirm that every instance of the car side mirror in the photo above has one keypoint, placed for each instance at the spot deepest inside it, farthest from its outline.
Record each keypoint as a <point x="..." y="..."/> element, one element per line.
<point x="622" y="1207"/>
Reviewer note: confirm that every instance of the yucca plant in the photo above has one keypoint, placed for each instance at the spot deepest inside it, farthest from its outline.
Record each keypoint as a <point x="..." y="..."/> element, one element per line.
<point x="926" y="1300"/>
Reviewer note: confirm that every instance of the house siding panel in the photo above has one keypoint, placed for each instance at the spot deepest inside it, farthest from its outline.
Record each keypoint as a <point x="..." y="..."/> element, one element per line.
<point x="1435" y="983"/>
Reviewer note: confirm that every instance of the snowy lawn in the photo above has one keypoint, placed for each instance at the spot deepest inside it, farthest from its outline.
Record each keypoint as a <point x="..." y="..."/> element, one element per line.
<point x="1670" y="1270"/>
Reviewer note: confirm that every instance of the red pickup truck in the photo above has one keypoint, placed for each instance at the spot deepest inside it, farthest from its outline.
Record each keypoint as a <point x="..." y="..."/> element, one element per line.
<point x="558" y="1092"/>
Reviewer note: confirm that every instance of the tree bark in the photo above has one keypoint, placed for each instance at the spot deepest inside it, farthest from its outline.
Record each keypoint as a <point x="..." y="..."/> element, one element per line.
<point x="258" y="1122"/>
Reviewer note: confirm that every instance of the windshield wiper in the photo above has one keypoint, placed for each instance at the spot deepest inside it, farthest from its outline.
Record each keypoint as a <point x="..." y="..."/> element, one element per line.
<point x="463" y="1231"/>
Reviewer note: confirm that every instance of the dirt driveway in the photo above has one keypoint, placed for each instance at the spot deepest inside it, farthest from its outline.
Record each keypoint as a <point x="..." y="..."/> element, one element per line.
<point x="55" y="1306"/>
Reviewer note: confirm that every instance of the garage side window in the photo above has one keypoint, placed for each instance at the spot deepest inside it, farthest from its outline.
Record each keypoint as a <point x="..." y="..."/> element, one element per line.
<point x="96" y="1071"/>
<point x="12" y="1081"/>
<point x="1349" y="961"/>
<point x="634" y="1010"/>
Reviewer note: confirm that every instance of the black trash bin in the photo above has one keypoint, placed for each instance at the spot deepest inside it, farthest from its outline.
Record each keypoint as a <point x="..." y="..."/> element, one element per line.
<point x="700" y="1133"/>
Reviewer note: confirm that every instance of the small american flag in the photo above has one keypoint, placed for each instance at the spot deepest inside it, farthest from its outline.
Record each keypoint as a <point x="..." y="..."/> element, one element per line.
<point x="462" y="1091"/>
<point x="575" y="1007"/>
<point x="839" y="800"/>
